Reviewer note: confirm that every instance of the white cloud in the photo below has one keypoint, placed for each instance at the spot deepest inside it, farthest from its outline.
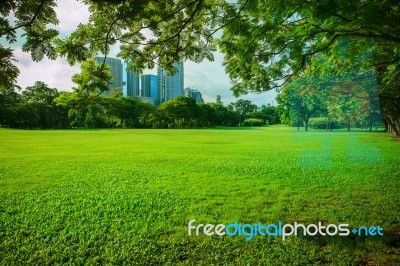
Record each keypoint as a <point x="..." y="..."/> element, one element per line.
<point x="211" y="80"/>
<point x="55" y="73"/>
<point x="70" y="13"/>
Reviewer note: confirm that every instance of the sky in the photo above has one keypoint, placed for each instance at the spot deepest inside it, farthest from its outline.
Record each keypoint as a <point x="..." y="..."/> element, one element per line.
<point x="207" y="77"/>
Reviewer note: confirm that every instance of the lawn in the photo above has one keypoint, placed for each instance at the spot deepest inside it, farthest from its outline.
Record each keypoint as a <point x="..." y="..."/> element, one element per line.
<point x="125" y="197"/>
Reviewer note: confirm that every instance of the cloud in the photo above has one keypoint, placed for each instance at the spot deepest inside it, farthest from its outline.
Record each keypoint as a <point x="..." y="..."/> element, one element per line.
<point x="211" y="80"/>
<point x="55" y="73"/>
<point x="70" y="13"/>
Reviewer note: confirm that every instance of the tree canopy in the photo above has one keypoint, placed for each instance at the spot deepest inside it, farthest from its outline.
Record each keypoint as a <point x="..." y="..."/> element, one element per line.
<point x="266" y="43"/>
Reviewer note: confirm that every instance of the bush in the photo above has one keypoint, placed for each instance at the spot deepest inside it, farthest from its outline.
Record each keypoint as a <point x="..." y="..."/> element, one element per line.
<point x="319" y="122"/>
<point x="253" y="122"/>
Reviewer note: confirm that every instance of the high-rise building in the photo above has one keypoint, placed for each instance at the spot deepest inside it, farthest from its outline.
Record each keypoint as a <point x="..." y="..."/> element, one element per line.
<point x="132" y="84"/>
<point x="149" y="86"/>
<point x="116" y="72"/>
<point x="170" y="86"/>
<point x="195" y="94"/>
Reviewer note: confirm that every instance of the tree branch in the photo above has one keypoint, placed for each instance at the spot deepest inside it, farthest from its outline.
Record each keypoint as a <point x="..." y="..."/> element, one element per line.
<point x="106" y="46"/>
<point x="231" y="21"/>
<point x="29" y="24"/>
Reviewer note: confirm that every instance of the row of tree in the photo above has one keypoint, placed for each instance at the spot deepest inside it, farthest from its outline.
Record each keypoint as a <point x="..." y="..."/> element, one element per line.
<point x="349" y="99"/>
<point x="265" y="44"/>
<point x="39" y="106"/>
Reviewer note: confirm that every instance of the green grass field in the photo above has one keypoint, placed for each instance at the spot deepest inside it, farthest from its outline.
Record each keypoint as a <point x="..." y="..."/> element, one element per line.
<point x="124" y="197"/>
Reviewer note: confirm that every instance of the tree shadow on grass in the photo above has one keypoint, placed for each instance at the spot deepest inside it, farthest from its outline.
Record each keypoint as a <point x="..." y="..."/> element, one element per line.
<point x="390" y="243"/>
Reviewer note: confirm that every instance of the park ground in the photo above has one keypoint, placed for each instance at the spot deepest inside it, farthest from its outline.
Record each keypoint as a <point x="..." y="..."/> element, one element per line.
<point x="124" y="197"/>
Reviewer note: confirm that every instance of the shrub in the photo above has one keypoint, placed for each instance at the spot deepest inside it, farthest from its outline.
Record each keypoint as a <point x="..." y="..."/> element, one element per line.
<point x="318" y="122"/>
<point x="253" y="122"/>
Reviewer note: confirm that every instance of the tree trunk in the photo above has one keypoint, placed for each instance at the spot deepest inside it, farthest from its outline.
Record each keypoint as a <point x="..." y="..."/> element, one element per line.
<point x="394" y="128"/>
<point x="371" y="122"/>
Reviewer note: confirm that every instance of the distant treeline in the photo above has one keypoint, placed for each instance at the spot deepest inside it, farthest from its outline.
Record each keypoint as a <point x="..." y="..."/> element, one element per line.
<point x="331" y="101"/>
<point x="39" y="106"/>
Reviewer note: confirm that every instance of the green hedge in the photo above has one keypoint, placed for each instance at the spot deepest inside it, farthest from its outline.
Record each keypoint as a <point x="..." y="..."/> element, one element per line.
<point x="318" y="122"/>
<point x="253" y="122"/>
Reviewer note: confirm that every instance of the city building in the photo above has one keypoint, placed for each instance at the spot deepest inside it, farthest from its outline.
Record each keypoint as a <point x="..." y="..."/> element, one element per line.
<point x="116" y="72"/>
<point x="132" y="84"/>
<point x="195" y="94"/>
<point x="170" y="86"/>
<point x="149" y="86"/>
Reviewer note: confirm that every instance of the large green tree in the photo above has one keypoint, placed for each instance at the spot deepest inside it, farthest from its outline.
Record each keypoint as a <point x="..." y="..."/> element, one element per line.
<point x="349" y="103"/>
<point x="9" y="98"/>
<point x="271" y="42"/>
<point x="148" y="31"/>
<point x="179" y="112"/>
<point x="242" y="108"/>
<point x="41" y="99"/>
<point x="265" y="42"/>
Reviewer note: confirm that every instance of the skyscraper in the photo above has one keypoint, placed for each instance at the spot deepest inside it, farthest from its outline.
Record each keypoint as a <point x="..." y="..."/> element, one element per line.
<point x="170" y="86"/>
<point x="149" y="86"/>
<point x="195" y="94"/>
<point x="132" y="84"/>
<point x="116" y="72"/>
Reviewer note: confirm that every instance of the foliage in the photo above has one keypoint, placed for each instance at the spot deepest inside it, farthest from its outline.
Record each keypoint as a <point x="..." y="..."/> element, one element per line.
<point x="41" y="99"/>
<point x="283" y="107"/>
<point x="350" y="99"/>
<point x="179" y="112"/>
<point x="175" y="31"/>
<point x="222" y="116"/>
<point x="242" y="108"/>
<point x="319" y="122"/>
<point x="282" y="39"/>
<point x="32" y="18"/>
<point x="348" y="103"/>
<point x="267" y="113"/>
<point x="9" y="98"/>
<point x="9" y="72"/>
<point x="253" y="122"/>
<point x="270" y="114"/>
<point x="270" y="44"/>
<point x="41" y="107"/>
<point x="93" y="79"/>
<point x="266" y="44"/>
<point x="34" y="107"/>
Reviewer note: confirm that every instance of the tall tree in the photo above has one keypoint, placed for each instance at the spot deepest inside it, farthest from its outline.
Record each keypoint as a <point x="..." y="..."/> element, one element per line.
<point x="349" y="103"/>
<point x="243" y="107"/>
<point x="41" y="98"/>
<point x="179" y="112"/>
<point x="9" y="100"/>
<point x="265" y="42"/>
